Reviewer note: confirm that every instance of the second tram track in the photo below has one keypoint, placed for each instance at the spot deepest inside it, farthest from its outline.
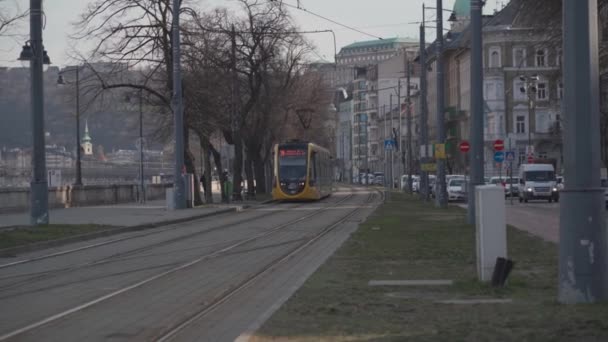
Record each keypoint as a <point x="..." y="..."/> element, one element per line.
<point x="185" y="265"/>
<point x="174" y="331"/>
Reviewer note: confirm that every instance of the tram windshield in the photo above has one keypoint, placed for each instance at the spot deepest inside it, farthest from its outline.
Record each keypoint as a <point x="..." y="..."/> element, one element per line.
<point x="292" y="163"/>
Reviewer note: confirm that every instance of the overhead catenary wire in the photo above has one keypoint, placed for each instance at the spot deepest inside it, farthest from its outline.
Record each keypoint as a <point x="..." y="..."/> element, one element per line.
<point x="299" y="7"/>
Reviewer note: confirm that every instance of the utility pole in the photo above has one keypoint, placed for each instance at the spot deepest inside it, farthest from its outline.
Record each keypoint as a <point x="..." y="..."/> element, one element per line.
<point x="583" y="264"/>
<point x="39" y="211"/>
<point x="179" y="188"/>
<point x="400" y="168"/>
<point x="235" y="124"/>
<point x="390" y="137"/>
<point x="78" y="181"/>
<point x="424" y="175"/>
<point x="442" y="200"/>
<point x="142" y="181"/>
<point x="476" y="161"/>
<point x="409" y="129"/>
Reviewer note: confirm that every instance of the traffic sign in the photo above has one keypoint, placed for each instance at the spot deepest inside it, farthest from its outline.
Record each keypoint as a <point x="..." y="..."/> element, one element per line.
<point x="530" y="159"/>
<point x="428" y="167"/>
<point x="439" y="151"/>
<point x="499" y="157"/>
<point x="499" y="145"/>
<point x="510" y="156"/>
<point x="464" y="146"/>
<point x="389" y="144"/>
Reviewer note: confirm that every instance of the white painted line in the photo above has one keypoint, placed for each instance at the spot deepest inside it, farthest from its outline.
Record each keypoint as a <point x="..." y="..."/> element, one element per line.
<point x="148" y="280"/>
<point x="115" y="293"/>
<point x="422" y="282"/>
<point x="475" y="301"/>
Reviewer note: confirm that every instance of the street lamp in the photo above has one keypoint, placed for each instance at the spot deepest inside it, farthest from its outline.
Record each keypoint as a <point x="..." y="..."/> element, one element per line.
<point x="62" y="81"/>
<point x="142" y="184"/>
<point x="530" y="89"/>
<point x="33" y="51"/>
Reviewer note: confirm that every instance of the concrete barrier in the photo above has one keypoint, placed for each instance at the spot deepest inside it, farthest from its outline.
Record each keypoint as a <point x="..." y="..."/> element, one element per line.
<point x="18" y="199"/>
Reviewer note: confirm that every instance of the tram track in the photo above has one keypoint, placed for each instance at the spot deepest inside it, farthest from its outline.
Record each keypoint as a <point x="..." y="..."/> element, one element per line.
<point x="42" y="275"/>
<point x="174" y="331"/>
<point x="211" y="255"/>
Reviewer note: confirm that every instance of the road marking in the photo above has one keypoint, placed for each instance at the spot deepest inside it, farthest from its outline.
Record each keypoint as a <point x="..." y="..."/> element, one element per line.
<point x="423" y="282"/>
<point x="150" y="279"/>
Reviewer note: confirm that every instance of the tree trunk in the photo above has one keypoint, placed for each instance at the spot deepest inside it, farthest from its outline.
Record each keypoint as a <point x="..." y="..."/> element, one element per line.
<point x="260" y="174"/>
<point x="190" y="168"/>
<point x="217" y="158"/>
<point x="249" y="174"/>
<point x="237" y="177"/>
<point x="207" y="165"/>
<point x="269" y="175"/>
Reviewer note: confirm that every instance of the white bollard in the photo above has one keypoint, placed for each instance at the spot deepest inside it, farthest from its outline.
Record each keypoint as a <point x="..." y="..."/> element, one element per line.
<point x="491" y="232"/>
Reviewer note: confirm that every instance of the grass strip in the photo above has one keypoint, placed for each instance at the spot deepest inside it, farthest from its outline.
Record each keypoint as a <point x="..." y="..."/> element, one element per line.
<point x="20" y="236"/>
<point x="407" y="239"/>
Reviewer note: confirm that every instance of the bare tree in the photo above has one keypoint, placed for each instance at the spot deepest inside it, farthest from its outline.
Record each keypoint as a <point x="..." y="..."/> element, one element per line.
<point x="10" y="16"/>
<point x="137" y="33"/>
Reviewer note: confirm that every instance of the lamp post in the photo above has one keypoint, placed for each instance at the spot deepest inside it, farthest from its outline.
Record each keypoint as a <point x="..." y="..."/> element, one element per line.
<point x="179" y="187"/>
<point x="35" y="54"/>
<point x="61" y="81"/>
<point x="530" y="89"/>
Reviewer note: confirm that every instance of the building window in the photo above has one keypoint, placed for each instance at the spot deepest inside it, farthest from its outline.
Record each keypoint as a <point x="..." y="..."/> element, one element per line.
<point x="558" y="58"/>
<point x="522" y="156"/>
<point x="541" y="91"/>
<point x="520" y="124"/>
<point x="541" y="58"/>
<point x="560" y="91"/>
<point x="490" y="92"/>
<point x="519" y="57"/>
<point x="495" y="57"/>
<point x="517" y="93"/>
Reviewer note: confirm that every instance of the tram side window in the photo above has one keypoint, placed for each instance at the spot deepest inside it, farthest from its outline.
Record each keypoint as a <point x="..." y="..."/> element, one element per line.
<point x="313" y="171"/>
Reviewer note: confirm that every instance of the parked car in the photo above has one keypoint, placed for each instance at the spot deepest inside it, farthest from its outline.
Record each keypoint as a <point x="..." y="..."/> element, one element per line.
<point x="379" y="180"/>
<point x="456" y="189"/>
<point x="560" y="182"/>
<point x="512" y="186"/>
<point x="404" y="180"/>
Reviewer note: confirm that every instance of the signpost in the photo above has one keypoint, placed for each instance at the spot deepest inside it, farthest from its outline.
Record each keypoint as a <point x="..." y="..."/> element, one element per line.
<point x="499" y="157"/>
<point x="499" y="145"/>
<point x="530" y="159"/>
<point x="440" y="151"/>
<point x="464" y="146"/>
<point x="389" y="146"/>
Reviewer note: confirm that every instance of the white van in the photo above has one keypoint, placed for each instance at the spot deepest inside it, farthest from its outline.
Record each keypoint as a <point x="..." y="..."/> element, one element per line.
<point x="537" y="181"/>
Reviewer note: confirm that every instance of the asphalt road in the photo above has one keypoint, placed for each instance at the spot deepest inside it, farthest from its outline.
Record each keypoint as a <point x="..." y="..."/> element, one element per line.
<point x="537" y="217"/>
<point x="210" y="280"/>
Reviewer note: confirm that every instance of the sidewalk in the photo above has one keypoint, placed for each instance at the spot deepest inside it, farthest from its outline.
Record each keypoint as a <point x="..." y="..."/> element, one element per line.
<point x="527" y="217"/>
<point x="119" y="215"/>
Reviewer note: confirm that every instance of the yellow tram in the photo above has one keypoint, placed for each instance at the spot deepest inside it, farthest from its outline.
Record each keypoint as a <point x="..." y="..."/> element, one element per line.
<point x="302" y="171"/>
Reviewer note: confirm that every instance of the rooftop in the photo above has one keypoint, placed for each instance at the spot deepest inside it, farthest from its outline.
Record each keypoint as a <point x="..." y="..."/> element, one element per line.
<point x="462" y="8"/>
<point x="376" y="42"/>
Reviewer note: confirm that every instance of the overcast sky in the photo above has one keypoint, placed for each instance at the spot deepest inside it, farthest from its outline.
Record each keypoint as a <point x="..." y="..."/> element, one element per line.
<point x="384" y="18"/>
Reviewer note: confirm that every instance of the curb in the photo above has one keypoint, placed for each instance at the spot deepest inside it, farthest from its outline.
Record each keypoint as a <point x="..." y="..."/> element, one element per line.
<point x="13" y="251"/>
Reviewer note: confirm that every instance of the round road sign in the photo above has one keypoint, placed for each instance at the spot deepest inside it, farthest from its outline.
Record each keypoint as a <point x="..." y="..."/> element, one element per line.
<point x="499" y="145"/>
<point x="464" y="146"/>
<point x="530" y="159"/>
<point x="499" y="157"/>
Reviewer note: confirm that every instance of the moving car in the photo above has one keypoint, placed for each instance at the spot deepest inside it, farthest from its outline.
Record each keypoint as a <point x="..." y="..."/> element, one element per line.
<point x="537" y="181"/>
